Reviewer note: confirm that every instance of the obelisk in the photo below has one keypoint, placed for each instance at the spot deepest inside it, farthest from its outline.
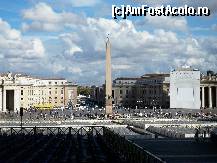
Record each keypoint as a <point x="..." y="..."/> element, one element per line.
<point x="108" y="81"/>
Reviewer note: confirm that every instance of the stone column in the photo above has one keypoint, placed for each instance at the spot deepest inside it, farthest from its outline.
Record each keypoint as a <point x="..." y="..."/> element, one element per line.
<point x="16" y="100"/>
<point x="108" y="82"/>
<point x="216" y="97"/>
<point x="4" y="100"/>
<point x="203" y="97"/>
<point x="1" y="100"/>
<point x="210" y="97"/>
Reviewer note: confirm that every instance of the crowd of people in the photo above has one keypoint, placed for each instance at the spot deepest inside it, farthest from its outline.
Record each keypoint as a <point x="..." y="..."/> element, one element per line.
<point x="99" y="113"/>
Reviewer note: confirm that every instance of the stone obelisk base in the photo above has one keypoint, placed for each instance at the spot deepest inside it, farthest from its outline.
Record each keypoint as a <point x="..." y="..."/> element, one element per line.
<point x="108" y="109"/>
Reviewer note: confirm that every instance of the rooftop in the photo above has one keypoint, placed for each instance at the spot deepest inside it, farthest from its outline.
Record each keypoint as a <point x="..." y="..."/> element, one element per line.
<point x="185" y="68"/>
<point x="52" y="78"/>
<point x="17" y="74"/>
<point x="126" y="78"/>
<point x="155" y="75"/>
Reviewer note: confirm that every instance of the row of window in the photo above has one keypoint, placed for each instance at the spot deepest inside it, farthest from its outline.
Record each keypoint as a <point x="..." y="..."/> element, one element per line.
<point x="31" y="92"/>
<point x="55" y="83"/>
<point x="55" y="92"/>
<point x="143" y="92"/>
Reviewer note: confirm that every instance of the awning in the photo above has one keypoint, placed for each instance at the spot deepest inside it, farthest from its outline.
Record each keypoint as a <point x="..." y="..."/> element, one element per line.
<point x="43" y="106"/>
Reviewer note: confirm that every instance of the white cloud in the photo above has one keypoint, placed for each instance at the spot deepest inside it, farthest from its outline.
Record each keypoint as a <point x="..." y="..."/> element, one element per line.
<point x="85" y="3"/>
<point x="71" y="36"/>
<point x="41" y="12"/>
<point x="126" y="39"/>
<point x="37" y="47"/>
<point x="72" y="50"/>
<point x="69" y="44"/>
<point x="211" y="4"/>
<point x="14" y="45"/>
<point x="75" y="70"/>
<point x="7" y="32"/>
<point x="140" y="47"/>
<point x="195" y="61"/>
<point x="44" y="18"/>
<point x="134" y="51"/>
<point x="39" y="26"/>
<point x="192" y="47"/>
<point x="167" y="22"/>
<point x="56" y="68"/>
<point x="121" y="67"/>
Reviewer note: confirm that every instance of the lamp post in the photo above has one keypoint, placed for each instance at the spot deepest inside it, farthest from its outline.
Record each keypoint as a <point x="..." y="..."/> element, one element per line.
<point x="139" y="103"/>
<point x="153" y="105"/>
<point x="21" y="117"/>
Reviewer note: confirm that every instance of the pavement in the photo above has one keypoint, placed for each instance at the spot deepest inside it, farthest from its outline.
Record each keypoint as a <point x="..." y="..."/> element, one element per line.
<point x="180" y="150"/>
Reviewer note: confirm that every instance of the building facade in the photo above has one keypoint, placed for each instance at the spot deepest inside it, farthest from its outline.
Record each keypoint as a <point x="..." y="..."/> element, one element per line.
<point x="185" y="88"/>
<point x="98" y="95"/>
<point x="194" y="90"/>
<point x="208" y="90"/>
<point x="145" y="91"/>
<point x="17" y="90"/>
<point x="152" y="90"/>
<point x="123" y="92"/>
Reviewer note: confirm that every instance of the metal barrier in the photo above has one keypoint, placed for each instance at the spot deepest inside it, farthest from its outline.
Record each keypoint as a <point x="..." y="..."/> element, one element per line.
<point x="44" y="130"/>
<point x="128" y="150"/>
<point x="125" y="149"/>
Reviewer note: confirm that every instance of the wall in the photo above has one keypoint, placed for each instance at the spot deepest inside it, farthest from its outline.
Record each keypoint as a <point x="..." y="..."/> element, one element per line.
<point x="185" y="89"/>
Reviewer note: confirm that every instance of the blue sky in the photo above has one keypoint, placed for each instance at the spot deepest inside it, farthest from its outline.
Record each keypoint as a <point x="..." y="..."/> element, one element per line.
<point x="66" y="38"/>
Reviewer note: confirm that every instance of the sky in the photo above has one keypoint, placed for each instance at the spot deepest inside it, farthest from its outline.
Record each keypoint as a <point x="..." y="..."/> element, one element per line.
<point x="66" y="38"/>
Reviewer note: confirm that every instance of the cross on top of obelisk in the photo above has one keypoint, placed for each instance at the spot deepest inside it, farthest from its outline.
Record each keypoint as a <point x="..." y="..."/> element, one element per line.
<point x="107" y="37"/>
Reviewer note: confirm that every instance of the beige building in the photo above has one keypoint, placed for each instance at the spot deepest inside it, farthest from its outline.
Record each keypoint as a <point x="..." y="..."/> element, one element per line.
<point x="208" y="91"/>
<point x="148" y="90"/>
<point x="154" y="90"/>
<point x="17" y="90"/>
<point x="124" y="91"/>
<point x="97" y="95"/>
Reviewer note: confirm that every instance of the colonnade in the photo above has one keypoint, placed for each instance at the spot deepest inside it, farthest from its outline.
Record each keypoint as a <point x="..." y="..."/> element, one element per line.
<point x="9" y="99"/>
<point x="208" y="96"/>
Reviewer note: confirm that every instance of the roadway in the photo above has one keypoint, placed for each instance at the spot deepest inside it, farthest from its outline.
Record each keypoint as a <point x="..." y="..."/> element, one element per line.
<point x="180" y="150"/>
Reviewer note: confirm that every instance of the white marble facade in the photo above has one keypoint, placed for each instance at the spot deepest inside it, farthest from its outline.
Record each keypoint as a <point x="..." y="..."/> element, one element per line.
<point x="185" y="88"/>
<point x="9" y="83"/>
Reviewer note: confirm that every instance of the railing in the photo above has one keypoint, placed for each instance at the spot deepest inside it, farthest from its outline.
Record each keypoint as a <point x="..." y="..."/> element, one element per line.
<point x="126" y="149"/>
<point x="44" y="130"/>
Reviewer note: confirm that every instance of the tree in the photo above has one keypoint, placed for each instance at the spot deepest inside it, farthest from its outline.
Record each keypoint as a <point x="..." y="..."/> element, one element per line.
<point x="84" y="90"/>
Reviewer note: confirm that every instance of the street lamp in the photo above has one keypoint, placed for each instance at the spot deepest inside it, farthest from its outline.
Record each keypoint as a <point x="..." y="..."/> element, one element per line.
<point x="153" y="105"/>
<point x="139" y="104"/>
